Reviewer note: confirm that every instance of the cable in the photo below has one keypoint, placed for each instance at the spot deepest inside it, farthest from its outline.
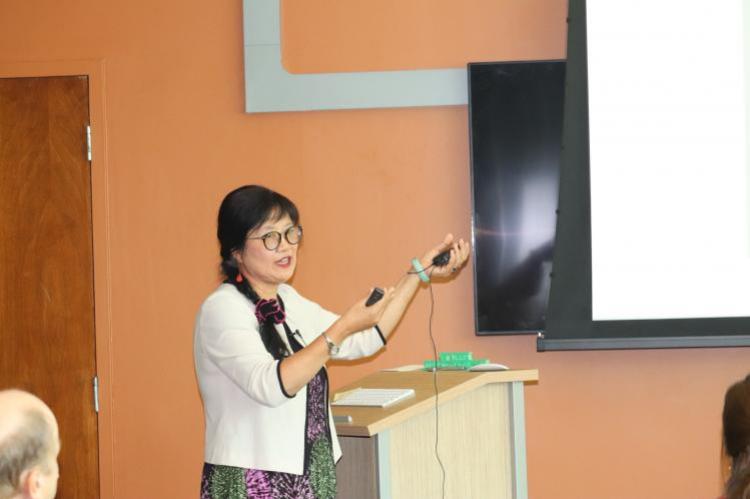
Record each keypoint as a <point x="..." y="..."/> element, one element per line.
<point x="434" y="383"/>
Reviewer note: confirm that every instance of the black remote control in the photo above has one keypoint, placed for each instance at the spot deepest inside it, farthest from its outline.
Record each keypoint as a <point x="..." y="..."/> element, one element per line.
<point x="375" y="297"/>
<point x="442" y="259"/>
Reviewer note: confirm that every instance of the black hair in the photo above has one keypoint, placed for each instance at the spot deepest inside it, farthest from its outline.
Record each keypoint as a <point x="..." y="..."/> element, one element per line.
<point x="736" y="422"/>
<point x="243" y="210"/>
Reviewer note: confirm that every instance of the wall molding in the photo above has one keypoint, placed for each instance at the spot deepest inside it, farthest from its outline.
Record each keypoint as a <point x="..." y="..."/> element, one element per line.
<point x="269" y="87"/>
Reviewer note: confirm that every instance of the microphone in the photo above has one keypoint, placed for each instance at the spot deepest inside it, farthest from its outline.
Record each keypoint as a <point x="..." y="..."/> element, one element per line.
<point x="298" y="336"/>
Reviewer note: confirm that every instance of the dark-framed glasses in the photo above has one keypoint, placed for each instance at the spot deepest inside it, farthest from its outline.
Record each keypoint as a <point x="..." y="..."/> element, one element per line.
<point x="271" y="240"/>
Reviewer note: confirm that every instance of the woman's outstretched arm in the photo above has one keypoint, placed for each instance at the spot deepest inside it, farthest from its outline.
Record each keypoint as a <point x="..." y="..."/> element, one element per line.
<point x="407" y="286"/>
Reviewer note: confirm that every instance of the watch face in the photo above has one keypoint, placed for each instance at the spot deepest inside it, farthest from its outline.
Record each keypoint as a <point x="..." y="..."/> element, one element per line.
<point x="333" y="348"/>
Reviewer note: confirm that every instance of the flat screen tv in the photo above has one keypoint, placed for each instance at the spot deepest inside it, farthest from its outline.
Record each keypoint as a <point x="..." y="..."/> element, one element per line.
<point x="515" y="128"/>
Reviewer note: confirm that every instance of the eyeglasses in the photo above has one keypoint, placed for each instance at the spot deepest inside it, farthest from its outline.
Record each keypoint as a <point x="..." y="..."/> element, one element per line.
<point x="272" y="239"/>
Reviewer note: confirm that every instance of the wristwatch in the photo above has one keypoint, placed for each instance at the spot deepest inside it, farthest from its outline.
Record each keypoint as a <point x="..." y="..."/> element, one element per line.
<point x="333" y="348"/>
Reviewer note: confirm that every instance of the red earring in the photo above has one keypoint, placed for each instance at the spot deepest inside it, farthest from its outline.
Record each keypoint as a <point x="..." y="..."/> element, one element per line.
<point x="238" y="278"/>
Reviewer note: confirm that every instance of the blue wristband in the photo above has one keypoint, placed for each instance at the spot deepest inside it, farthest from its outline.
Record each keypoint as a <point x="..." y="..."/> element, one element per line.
<point x="420" y="270"/>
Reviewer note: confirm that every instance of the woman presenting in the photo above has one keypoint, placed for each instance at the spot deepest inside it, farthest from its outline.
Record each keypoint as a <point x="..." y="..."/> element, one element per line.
<point x="260" y="350"/>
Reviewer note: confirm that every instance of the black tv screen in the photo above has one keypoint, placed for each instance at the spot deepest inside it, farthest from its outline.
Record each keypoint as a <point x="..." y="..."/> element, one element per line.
<point x="515" y="122"/>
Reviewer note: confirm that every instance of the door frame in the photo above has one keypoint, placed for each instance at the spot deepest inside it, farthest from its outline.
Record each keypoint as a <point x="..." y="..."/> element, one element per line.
<point x="95" y="69"/>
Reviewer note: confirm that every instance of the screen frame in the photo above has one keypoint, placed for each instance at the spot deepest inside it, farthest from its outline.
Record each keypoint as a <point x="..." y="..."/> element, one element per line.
<point x="569" y="322"/>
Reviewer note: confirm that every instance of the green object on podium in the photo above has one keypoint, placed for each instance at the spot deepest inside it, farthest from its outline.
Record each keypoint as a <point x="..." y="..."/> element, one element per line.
<point x="454" y="361"/>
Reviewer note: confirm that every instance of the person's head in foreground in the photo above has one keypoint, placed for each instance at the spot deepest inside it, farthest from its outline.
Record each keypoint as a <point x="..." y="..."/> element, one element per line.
<point x="736" y="419"/>
<point x="29" y="445"/>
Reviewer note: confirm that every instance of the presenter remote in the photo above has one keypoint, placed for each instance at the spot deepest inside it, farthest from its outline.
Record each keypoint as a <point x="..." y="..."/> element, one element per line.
<point x="442" y="259"/>
<point x="375" y="297"/>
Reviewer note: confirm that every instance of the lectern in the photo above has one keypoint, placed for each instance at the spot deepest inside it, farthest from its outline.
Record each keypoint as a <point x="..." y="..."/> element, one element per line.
<point x="390" y="453"/>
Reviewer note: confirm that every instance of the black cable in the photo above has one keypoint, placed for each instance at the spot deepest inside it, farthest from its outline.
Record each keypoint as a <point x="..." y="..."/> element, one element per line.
<point x="434" y="383"/>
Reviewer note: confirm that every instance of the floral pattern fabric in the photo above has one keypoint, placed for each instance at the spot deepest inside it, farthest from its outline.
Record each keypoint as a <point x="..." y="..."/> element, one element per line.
<point x="318" y="480"/>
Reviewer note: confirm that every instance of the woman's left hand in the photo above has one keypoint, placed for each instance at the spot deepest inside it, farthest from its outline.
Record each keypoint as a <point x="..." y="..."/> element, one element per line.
<point x="459" y="254"/>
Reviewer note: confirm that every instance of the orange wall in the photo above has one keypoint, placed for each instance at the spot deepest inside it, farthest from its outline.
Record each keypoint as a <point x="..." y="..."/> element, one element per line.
<point x="375" y="188"/>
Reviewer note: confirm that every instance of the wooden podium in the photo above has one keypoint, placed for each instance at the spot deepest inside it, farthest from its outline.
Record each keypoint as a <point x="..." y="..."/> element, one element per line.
<point x="390" y="453"/>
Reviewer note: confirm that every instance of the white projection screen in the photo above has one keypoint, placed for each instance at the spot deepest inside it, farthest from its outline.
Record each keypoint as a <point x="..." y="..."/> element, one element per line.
<point x="653" y="229"/>
<point x="668" y="145"/>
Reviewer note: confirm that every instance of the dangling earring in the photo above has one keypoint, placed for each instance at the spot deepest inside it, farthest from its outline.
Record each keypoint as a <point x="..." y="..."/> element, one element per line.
<point x="238" y="279"/>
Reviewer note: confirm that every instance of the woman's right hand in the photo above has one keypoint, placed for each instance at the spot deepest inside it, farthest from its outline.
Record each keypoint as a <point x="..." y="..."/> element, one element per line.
<point x="360" y="317"/>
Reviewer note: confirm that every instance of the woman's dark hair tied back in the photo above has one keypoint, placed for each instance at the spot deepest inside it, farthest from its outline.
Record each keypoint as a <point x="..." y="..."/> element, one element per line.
<point x="271" y="339"/>
<point x="242" y="211"/>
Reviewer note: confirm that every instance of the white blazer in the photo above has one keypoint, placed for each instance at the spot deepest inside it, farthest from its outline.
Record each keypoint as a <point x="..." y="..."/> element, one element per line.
<point x="250" y="421"/>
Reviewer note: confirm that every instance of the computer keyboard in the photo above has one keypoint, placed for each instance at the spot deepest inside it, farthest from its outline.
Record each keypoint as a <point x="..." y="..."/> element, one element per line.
<point x="375" y="397"/>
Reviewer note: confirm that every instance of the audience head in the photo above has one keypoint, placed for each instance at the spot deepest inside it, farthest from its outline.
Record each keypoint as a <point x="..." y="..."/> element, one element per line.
<point x="29" y="445"/>
<point x="736" y="419"/>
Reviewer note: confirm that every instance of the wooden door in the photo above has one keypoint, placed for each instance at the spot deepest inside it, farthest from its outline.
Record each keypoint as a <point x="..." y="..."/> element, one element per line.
<point x="46" y="263"/>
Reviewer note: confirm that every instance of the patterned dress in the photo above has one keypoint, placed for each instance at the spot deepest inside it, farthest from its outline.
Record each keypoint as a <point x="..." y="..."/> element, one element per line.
<point x="318" y="480"/>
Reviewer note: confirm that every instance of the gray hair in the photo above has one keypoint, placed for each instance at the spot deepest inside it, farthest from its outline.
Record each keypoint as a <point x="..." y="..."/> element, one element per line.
<point x="23" y="449"/>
